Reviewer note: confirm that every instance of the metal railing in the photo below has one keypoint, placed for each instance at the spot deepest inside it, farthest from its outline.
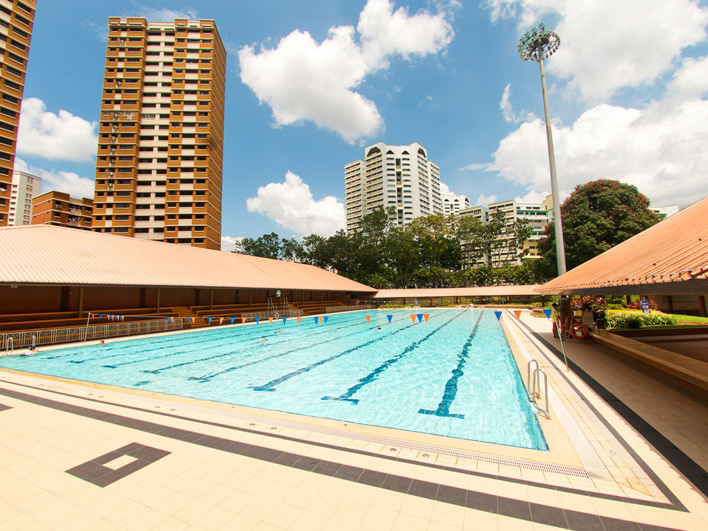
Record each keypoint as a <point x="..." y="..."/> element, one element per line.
<point x="274" y="314"/>
<point x="534" y="382"/>
<point x="17" y="340"/>
<point x="352" y="308"/>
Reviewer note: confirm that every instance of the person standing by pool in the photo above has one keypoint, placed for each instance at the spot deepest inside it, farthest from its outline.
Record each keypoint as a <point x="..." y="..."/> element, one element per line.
<point x="555" y="317"/>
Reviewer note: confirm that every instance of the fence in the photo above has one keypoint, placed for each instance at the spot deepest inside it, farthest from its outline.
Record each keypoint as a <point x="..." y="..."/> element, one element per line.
<point x="272" y="315"/>
<point x="353" y="308"/>
<point x="17" y="340"/>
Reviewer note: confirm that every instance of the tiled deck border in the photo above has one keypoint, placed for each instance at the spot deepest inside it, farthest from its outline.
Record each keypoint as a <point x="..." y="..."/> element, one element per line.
<point x="532" y="512"/>
<point x="687" y="466"/>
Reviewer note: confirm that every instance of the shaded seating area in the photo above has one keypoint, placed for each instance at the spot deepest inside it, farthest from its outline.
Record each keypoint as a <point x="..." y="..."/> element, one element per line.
<point x="54" y="320"/>
<point x="315" y="307"/>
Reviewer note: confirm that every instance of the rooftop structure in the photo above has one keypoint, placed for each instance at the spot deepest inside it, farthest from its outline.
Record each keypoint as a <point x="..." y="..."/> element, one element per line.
<point x="159" y="165"/>
<point x="16" y="22"/>
<point x="399" y="177"/>
<point x="669" y="257"/>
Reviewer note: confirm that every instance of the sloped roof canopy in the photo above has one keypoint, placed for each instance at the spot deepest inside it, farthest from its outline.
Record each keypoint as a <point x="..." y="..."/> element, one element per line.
<point x="51" y="255"/>
<point x="433" y="293"/>
<point x="671" y="258"/>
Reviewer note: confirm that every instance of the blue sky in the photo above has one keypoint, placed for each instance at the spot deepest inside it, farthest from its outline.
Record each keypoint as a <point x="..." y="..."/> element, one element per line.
<point x="311" y="83"/>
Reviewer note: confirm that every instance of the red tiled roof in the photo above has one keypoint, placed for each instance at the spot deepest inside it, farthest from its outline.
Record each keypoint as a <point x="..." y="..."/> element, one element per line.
<point x="45" y="254"/>
<point x="671" y="256"/>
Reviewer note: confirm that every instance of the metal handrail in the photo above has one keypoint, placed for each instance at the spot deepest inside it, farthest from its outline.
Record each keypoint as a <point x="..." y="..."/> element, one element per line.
<point x="534" y="393"/>
<point x="352" y="308"/>
<point x="82" y="333"/>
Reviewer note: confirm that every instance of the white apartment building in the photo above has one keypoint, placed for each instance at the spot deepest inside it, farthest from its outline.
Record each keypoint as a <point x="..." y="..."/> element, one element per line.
<point x="392" y="176"/>
<point x="24" y="188"/>
<point x="453" y="203"/>
<point x="536" y="215"/>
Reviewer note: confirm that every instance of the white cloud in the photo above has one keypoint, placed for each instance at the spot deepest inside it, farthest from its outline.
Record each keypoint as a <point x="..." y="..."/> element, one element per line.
<point x="164" y="14"/>
<point x="608" y="45"/>
<point x="229" y="243"/>
<point x="445" y="189"/>
<point x="303" y="80"/>
<point x="61" y="181"/>
<point x="385" y="33"/>
<point x="659" y="149"/>
<point x="505" y="105"/>
<point x="291" y="205"/>
<point x="691" y="79"/>
<point x="60" y="136"/>
<point x="99" y="30"/>
<point x="486" y="199"/>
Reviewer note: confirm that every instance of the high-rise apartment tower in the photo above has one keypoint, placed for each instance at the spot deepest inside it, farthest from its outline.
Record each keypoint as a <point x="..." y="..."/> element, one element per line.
<point x="16" y="21"/>
<point x="25" y="187"/>
<point x="160" y="148"/>
<point x="392" y="176"/>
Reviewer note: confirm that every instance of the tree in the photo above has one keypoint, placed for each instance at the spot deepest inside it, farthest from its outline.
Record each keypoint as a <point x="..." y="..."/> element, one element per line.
<point x="266" y="246"/>
<point x="596" y="217"/>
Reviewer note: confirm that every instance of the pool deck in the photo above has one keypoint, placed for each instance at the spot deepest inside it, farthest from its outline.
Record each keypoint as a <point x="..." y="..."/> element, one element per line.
<point x="628" y="451"/>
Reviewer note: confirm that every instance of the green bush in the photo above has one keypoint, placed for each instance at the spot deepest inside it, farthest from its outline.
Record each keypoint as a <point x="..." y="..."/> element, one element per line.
<point x="638" y="320"/>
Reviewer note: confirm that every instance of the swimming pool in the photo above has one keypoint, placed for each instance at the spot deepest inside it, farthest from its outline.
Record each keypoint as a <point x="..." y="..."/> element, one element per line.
<point x="452" y="375"/>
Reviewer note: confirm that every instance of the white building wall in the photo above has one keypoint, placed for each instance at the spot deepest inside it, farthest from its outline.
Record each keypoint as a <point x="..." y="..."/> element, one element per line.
<point x="24" y="187"/>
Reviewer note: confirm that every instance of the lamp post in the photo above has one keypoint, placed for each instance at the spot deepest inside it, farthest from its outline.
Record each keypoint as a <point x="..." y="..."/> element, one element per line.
<point x="537" y="45"/>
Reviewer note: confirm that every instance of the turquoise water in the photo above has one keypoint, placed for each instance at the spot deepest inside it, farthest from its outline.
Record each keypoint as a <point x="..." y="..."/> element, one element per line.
<point x="453" y="375"/>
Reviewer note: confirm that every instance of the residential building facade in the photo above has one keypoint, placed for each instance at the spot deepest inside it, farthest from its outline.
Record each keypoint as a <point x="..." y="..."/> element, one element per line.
<point x="453" y="203"/>
<point x="401" y="177"/>
<point x="58" y="208"/>
<point x="24" y="187"/>
<point x="159" y="165"/>
<point x="16" y="21"/>
<point x="535" y="215"/>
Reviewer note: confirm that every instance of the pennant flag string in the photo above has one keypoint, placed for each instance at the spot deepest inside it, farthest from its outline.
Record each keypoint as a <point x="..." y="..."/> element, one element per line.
<point x="498" y="314"/>
<point x="548" y="313"/>
<point x="389" y="317"/>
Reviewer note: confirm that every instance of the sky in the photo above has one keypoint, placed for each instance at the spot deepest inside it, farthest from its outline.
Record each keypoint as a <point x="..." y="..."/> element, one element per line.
<point x="311" y="83"/>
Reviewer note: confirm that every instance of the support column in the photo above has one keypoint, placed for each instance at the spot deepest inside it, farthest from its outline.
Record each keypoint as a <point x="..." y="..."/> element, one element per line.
<point x="211" y="299"/>
<point x="702" y="306"/>
<point x="670" y="303"/>
<point x="157" y="301"/>
<point x="81" y="301"/>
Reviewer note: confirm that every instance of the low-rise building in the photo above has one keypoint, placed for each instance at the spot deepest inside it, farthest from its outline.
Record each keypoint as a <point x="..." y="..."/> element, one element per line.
<point x="58" y="208"/>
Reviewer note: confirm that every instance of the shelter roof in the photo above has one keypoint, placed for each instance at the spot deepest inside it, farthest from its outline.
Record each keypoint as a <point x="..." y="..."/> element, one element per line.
<point x="670" y="257"/>
<point x="434" y="293"/>
<point x="51" y="255"/>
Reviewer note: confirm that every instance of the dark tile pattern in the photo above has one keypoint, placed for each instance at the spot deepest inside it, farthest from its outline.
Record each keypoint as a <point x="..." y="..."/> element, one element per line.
<point x="3" y="407"/>
<point x="95" y="472"/>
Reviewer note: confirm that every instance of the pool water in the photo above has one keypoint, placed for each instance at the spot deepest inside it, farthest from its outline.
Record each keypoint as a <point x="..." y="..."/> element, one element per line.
<point x="453" y="375"/>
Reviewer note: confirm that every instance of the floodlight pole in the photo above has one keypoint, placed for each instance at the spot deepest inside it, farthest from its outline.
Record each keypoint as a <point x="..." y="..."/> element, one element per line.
<point x="534" y="46"/>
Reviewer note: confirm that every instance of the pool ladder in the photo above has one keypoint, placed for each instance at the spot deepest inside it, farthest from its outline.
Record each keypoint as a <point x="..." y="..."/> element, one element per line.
<point x="534" y="382"/>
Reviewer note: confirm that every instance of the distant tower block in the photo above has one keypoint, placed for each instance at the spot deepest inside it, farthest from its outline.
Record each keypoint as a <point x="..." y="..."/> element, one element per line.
<point x="401" y="177"/>
<point x="16" y="21"/>
<point x="161" y="137"/>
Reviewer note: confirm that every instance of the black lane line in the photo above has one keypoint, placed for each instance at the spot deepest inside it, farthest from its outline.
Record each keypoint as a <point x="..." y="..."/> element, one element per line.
<point x="450" y="392"/>
<point x="274" y="435"/>
<point x="373" y="375"/>
<point x="209" y="358"/>
<point x="271" y="385"/>
<point x="687" y="466"/>
<point x="213" y="375"/>
<point x="520" y="509"/>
